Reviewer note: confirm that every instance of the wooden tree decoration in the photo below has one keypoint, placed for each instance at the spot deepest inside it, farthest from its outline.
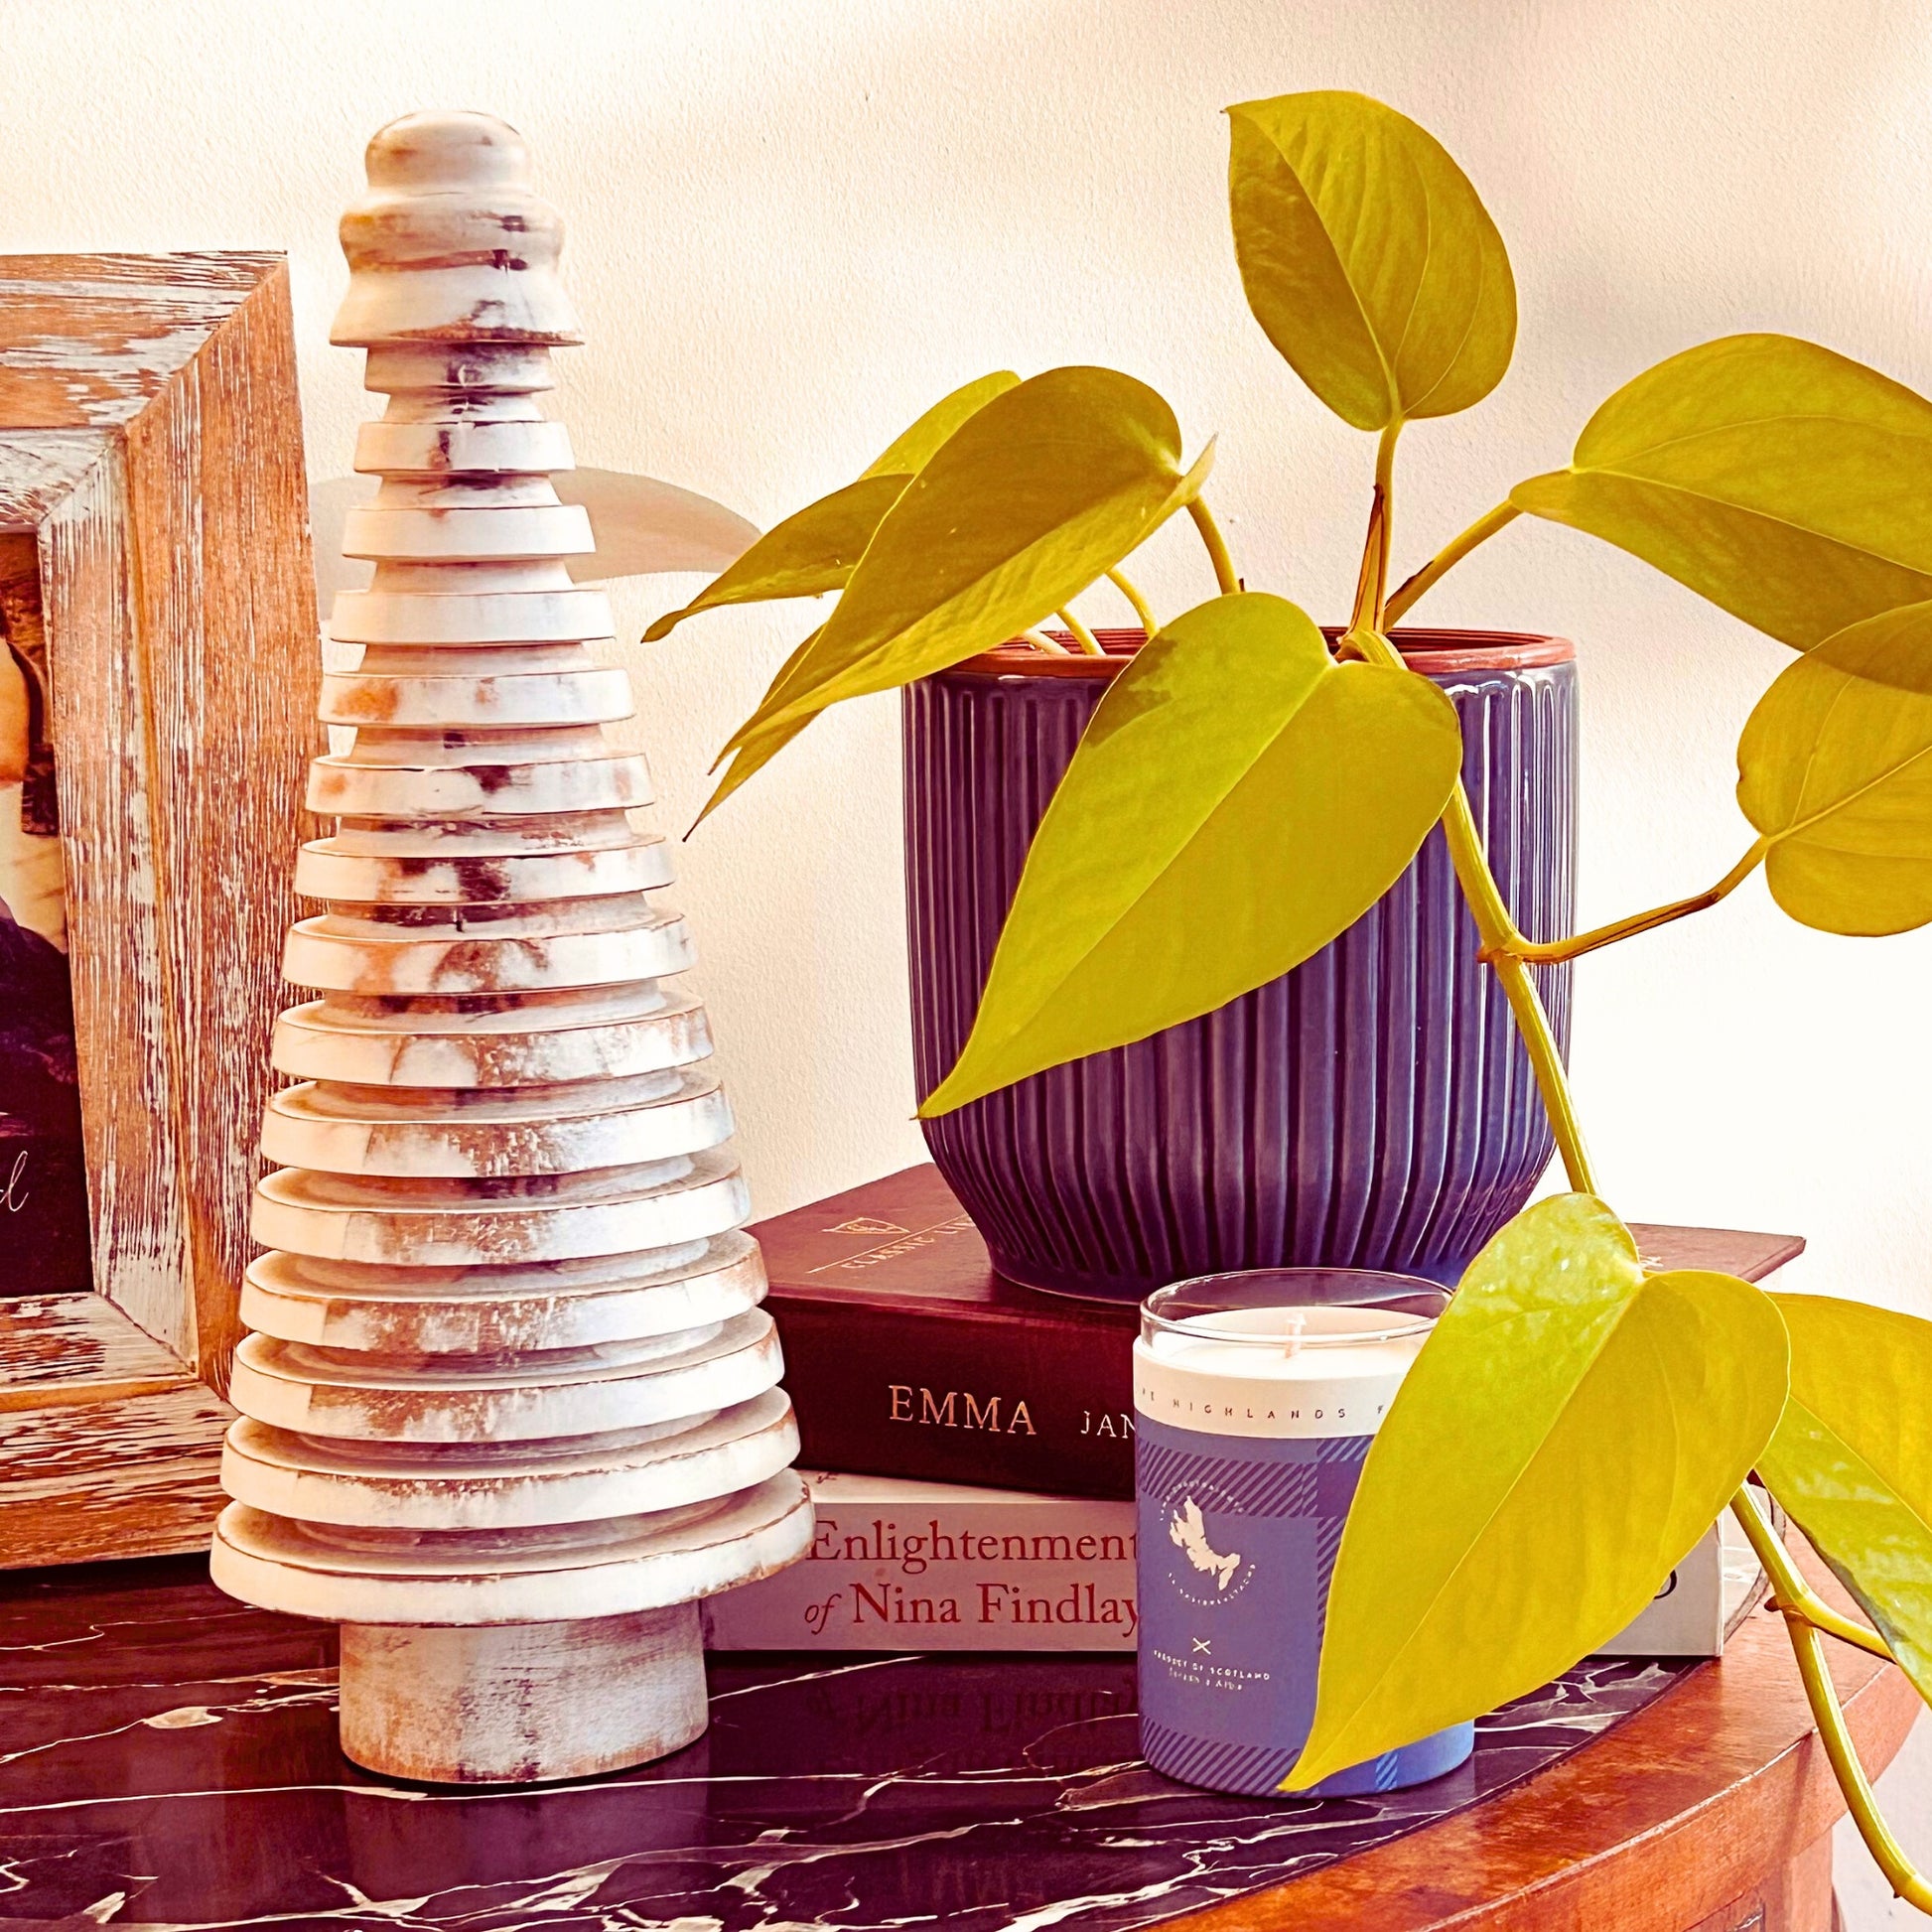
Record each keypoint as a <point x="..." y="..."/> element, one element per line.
<point x="511" y="1405"/>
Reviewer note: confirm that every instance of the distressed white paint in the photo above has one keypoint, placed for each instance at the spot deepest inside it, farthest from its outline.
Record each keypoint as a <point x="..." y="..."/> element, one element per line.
<point x="468" y="783"/>
<point x="540" y="1395"/>
<point x="590" y="1478"/>
<point x="522" y="951"/>
<point x="433" y="1223"/>
<point x="462" y="1135"/>
<point x="495" y="1701"/>
<point x="448" y="1421"/>
<point x="380" y="692"/>
<point x="514" y="1576"/>
<point x="471" y="1311"/>
<point x="572" y="1035"/>
<point x="109" y="384"/>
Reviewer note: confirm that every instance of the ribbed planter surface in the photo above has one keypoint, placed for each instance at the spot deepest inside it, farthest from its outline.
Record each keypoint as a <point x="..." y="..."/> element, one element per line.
<point x="1374" y="1108"/>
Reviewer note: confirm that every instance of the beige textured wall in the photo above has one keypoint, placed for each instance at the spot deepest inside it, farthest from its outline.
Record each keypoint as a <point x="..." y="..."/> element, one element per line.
<point x="791" y="224"/>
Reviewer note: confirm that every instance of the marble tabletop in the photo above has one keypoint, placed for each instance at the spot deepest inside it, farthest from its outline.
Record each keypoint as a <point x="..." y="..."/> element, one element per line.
<point x="168" y="1758"/>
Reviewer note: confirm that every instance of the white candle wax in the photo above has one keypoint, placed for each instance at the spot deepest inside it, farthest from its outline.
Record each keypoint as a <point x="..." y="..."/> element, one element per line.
<point x="1276" y="1372"/>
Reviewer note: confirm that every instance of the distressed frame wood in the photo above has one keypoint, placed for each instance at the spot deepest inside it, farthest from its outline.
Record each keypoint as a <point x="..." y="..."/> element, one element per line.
<point x="150" y="441"/>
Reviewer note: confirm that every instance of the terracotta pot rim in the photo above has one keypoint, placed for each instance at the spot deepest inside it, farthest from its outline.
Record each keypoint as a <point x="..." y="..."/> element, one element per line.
<point x="1425" y="647"/>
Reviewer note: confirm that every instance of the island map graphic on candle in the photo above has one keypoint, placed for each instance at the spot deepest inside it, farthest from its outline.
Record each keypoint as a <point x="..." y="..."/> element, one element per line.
<point x="1188" y="1534"/>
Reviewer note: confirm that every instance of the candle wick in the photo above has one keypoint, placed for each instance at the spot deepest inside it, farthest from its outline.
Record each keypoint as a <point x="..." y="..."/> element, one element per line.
<point x="1296" y="1320"/>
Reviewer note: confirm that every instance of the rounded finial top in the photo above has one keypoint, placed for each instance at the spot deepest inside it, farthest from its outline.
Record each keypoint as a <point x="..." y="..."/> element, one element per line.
<point x="451" y="243"/>
<point x="421" y="153"/>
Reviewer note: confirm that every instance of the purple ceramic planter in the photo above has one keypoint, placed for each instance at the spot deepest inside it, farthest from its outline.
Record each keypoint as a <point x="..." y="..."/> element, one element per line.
<point x="1374" y="1108"/>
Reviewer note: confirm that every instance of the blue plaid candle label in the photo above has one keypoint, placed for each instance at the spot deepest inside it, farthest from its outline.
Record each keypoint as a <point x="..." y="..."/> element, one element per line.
<point x="1241" y="1509"/>
<point x="1237" y="1541"/>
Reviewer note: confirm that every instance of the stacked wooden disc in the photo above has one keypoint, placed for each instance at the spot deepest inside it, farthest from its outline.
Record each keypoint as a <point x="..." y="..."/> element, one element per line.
<point x="510" y="1403"/>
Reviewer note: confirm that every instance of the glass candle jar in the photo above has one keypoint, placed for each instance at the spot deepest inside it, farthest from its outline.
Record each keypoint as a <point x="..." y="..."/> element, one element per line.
<point x="1256" y="1398"/>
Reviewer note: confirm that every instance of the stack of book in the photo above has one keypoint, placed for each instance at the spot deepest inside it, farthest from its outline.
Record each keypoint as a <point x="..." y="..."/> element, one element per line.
<point x="970" y="1443"/>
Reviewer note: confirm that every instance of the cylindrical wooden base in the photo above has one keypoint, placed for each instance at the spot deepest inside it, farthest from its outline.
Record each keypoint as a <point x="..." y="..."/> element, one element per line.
<point x="520" y="1703"/>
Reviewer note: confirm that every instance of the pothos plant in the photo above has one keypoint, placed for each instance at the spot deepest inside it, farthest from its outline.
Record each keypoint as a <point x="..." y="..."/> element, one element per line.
<point x="1574" y="1423"/>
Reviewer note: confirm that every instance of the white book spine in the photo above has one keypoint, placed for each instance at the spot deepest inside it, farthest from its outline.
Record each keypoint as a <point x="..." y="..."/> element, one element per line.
<point x="929" y="1566"/>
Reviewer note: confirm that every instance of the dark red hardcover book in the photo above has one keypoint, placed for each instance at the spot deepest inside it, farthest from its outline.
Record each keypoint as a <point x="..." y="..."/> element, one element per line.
<point x="907" y="1355"/>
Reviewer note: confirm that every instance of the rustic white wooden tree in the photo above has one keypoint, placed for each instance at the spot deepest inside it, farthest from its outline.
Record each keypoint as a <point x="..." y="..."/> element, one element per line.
<point x="510" y="1403"/>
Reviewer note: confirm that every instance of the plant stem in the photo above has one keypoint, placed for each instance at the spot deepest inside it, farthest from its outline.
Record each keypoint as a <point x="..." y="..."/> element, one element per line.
<point x="1496" y="930"/>
<point x="1493" y="925"/>
<point x="1051" y="645"/>
<point x="1509" y="954"/>
<point x="1088" y="643"/>
<point x="1805" y="1615"/>
<point x="1372" y="580"/>
<point x="1385" y="495"/>
<point x="1446" y="559"/>
<point x="1792" y="1593"/>
<point x="1217" y="550"/>
<point x="1125" y="586"/>
<point x="1549" y="952"/>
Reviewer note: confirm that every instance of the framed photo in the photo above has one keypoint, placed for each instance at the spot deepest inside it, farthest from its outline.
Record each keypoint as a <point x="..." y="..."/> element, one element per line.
<point x="158" y="677"/>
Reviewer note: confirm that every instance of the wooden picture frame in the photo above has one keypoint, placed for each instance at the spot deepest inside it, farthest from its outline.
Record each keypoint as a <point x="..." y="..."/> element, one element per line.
<point x="150" y="476"/>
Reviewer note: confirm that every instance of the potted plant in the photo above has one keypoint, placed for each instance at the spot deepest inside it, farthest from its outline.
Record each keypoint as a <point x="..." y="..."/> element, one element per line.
<point x="1371" y="1106"/>
<point x="1248" y="788"/>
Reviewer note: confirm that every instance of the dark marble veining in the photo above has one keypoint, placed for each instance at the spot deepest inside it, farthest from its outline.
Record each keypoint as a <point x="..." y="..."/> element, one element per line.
<point x="168" y="1760"/>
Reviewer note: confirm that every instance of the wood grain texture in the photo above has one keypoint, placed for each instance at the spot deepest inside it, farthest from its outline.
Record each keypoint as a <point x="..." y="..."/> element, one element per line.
<point x="150" y="437"/>
<point x="102" y="751"/>
<point x="107" y="1442"/>
<point x="132" y="1476"/>
<point x="78" y="1341"/>
<point x="225" y="611"/>
<point x="1704" y="1811"/>
<point x="38" y="468"/>
<point x="488" y="1706"/>
<point x="90" y="341"/>
<point x="1795" y="1898"/>
<point x="180" y="627"/>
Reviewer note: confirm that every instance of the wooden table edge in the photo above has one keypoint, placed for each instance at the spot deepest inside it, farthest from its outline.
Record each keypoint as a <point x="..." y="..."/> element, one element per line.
<point x="1679" y="1811"/>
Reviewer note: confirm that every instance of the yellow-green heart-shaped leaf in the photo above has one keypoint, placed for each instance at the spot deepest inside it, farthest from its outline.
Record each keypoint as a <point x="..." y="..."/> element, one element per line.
<point x="812" y="551"/>
<point x="815" y="549"/>
<point x="1782" y="481"/>
<point x="1566" y="1434"/>
<point x="1238" y="799"/>
<point x="1852" y="1460"/>
<point x="752" y="754"/>
<point x="909" y="453"/>
<point x="1367" y="258"/>
<point x="1835" y="771"/>
<point x="783" y="679"/>
<point x="752" y="751"/>
<point x="1020" y="509"/>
